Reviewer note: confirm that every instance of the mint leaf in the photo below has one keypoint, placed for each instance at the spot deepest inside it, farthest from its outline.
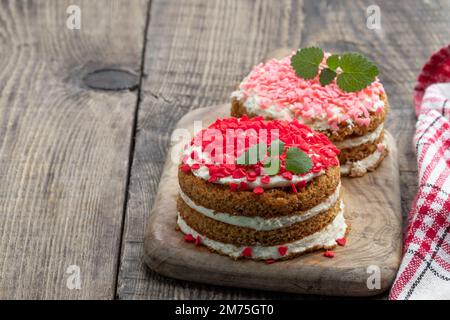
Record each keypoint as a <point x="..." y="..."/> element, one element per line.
<point x="272" y="166"/>
<point x="253" y="154"/>
<point x="306" y="62"/>
<point x="326" y="76"/>
<point x="333" y="62"/>
<point x="276" y="148"/>
<point x="297" y="161"/>
<point x="353" y="71"/>
<point x="357" y="72"/>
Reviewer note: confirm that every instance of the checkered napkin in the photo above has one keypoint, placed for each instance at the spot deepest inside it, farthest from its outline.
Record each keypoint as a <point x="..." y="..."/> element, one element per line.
<point x="425" y="269"/>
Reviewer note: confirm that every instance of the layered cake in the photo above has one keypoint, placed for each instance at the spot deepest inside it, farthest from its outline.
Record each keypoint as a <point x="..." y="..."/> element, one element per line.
<point x="260" y="189"/>
<point x="353" y="121"/>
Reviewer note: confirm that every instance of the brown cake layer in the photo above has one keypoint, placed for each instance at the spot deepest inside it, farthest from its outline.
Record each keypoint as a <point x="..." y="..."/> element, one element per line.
<point x="344" y="132"/>
<point x="272" y="203"/>
<point x="359" y="152"/>
<point x="241" y="236"/>
<point x="354" y="172"/>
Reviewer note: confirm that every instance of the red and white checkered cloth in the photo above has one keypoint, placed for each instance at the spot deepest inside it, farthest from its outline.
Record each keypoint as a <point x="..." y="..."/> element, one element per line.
<point x="425" y="269"/>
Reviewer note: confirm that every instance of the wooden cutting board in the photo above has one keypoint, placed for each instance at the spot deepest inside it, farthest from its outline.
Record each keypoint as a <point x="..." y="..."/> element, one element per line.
<point x="372" y="253"/>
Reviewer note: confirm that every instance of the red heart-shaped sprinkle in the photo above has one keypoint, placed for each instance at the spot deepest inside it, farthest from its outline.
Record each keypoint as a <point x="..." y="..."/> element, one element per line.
<point x="258" y="190"/>
<point x="189" y="238"/>
<point x="233" y="186"/>
<point x="282" y="250"/>
<point x="294" y="189"/>
<point x="247" y="252"/>
<point x="341" y="241"/>
<point x="328" y="254"/>
<point x="185" y="168"/>
<point x="265" y="179"/>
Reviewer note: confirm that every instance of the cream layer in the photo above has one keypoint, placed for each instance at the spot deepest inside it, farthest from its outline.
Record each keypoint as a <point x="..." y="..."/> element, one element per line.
<point x="362" y="166"/>
<point x="325" y="238"/>
<point x="319" y="122"/>
<point x="259" y="223"/>
<point x="276" y="181"/>
<point x="355" y="142"/>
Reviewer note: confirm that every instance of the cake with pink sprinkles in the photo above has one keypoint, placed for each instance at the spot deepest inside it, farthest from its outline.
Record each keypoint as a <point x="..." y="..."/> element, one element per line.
<point x="353" y="121"/>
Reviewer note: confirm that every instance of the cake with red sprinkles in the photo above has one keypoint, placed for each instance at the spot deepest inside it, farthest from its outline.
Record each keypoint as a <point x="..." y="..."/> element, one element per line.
<point x="261" y="189"/>
<point x="353" y="121"/>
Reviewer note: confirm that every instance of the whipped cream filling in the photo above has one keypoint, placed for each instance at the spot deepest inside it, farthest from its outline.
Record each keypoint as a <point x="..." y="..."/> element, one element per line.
<point x="361" y="166"/>
<point x="253" y="106"/>
<point x="354" y="142"/>
<point x="323" y="238"/>
<point x="287" y="112"/>
<point x="276" y="181"/>
<point x="263" y="224"/>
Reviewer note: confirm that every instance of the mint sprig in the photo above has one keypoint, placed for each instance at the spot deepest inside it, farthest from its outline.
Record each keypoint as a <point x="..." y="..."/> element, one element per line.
<point x="327" y="76"/>
<point x="306" y="62"/>
<point x="333" y="61"/>
<point x="352" y="71"/>
<point x="297" y="161"/>
<point x="357" y="72"/>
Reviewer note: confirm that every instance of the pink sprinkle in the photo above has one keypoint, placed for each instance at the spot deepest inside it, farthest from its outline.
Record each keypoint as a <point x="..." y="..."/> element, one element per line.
<point x="287" y="175"/>
<point x="213" y="179"/>
<point x="341" y="241"/>
<point x="292" y="133"/>
<point x="258" y="190"/>
<point x="275" y="83"/>
<point x="328" y="254"/>
<point x="243" y="186"/>
<point x="185" y="168"/>
<point x="189" y="238"/>
<point x="381" y="147"/>
<point x="247" y="252"/>
<point x="251" y="174"/>
<point x="194" y="155"/>
<point x="238" y="173"/>
<point x="265" y="179"/>
<point x="301" y="184"/>
<point x="233" y="186"/>
<point x="294" y="189"/>
<point x="363" y="122"/>
<point x="282" y="250"/>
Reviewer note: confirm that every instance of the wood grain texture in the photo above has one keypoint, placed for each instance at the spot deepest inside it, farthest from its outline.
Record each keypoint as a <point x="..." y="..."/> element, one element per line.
<point x="64" y="149"/>
<point x="197" y="51"/>
<point x="372" y="210"/>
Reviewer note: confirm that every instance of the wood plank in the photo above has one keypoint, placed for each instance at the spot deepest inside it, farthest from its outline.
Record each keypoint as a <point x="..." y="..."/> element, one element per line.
<point x="372" y="210"/>
<point x="64" y="148"/>
<point x="198" y="51"/>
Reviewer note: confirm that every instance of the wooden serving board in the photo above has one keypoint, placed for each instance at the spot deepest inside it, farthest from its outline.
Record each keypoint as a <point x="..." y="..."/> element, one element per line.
<point x="372" y="210"/>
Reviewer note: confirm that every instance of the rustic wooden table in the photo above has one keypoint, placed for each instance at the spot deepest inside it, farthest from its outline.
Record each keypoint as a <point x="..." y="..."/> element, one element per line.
<point x="79" y="167"/>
